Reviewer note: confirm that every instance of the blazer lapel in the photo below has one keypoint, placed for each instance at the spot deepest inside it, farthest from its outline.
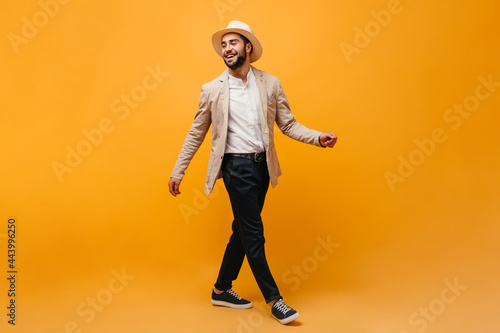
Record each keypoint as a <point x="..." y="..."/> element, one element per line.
<point x="261" y="84"/>
<point x="224" y="96"/>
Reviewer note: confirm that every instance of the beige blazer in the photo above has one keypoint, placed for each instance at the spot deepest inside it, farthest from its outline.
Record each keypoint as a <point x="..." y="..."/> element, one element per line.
<point x="213" y="109"/>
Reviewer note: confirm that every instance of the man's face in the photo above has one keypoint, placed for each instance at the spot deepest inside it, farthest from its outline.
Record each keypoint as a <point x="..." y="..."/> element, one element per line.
<point x="233" y="50"/>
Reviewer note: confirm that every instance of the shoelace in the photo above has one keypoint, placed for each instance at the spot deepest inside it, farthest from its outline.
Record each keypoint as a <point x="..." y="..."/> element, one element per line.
<point x="282" y="307"/>
<point x="230" y="291"/>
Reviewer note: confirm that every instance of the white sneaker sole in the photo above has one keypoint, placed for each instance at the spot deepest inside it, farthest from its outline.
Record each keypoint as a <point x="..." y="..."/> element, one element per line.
<point x="231" y="305"/>
<point x="288" y="319"/>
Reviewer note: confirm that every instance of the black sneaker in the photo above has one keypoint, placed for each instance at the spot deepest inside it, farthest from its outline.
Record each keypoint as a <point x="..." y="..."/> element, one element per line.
<point x="283" y="313"/>
<point x="230" y="299"/>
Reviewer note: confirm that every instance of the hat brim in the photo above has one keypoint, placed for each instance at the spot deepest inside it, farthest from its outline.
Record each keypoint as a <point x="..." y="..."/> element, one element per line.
<point x="217" y="41"/>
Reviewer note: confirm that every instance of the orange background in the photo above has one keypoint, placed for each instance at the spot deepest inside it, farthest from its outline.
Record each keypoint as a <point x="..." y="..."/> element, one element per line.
<point x="399" y="244"/>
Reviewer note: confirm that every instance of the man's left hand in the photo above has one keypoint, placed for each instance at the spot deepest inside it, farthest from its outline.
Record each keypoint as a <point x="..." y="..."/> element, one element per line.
<point x="328" y="139"/>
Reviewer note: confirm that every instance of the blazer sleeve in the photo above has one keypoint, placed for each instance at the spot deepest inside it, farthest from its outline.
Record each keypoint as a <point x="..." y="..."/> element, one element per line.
<point x="195" y="136"/>
<point x="291" y="127"/>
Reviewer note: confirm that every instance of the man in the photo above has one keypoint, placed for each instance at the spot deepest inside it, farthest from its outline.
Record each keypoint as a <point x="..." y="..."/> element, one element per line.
<point x="243" y="104"/>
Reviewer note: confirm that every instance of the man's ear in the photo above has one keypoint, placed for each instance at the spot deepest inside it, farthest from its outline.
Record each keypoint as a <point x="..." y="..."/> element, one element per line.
<point x="249" y="47"/>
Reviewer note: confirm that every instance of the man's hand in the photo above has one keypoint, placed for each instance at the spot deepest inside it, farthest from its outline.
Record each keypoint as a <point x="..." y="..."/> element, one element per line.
<point x="173" y="186"/>
<point x="327" y="139"/>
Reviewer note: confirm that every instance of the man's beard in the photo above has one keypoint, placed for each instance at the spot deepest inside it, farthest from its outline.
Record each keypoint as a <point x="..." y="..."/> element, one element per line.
<point x="240" y="60"/>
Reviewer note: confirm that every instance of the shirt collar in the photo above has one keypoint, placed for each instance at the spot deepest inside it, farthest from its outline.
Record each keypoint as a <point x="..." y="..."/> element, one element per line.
<point x="235" y="80"/>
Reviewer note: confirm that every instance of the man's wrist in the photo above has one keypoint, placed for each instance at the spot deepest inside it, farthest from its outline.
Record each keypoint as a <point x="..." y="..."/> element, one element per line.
<point x="319" y="140"/>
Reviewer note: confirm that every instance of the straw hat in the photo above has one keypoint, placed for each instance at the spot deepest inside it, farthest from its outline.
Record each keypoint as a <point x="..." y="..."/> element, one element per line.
<point x="242" y="29"/>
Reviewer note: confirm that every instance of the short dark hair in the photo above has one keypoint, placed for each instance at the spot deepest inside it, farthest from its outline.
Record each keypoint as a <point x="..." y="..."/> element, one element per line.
<point x="246" y="41"/>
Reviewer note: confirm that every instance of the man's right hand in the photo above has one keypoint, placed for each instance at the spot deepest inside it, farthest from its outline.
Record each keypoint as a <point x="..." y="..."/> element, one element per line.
<point x="173" y="186"/>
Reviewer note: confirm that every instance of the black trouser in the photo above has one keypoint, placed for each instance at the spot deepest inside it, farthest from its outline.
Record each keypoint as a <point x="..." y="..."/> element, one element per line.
<point x="246" y="182"/>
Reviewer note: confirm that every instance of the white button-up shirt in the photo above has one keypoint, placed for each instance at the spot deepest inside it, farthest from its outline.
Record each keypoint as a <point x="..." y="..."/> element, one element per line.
<point x="244" y="133"/>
